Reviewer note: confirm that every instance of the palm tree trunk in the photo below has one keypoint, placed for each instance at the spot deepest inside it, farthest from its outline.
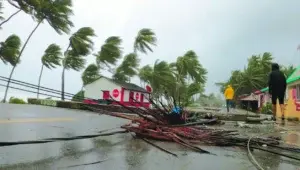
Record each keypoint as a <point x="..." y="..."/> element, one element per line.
<point x="63" y="75"/>
<point x="5" y="21"/>
<point x="63" y="84"/>
<point x="38" y="92"/>
<point x="21" y="52"/>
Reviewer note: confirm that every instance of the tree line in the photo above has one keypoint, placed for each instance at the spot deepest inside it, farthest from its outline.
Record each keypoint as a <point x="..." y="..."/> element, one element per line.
<point x="254" y="76"/>
<point x="176" y="82"/>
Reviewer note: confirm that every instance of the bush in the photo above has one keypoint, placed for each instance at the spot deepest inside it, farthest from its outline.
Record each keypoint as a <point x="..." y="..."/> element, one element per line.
<point x="78" y="97"/>
<point x="16" y="101"/>
<point x="267" y="109"/>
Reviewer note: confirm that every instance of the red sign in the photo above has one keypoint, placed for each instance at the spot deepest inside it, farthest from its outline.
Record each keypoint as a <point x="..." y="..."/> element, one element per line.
<point x="149" y="89"/>
<point x="115" y="92"/>
<point x="137" y="96"/>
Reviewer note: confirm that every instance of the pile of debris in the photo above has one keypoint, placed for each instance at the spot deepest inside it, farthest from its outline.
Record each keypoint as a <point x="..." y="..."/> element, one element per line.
<point x="165" y="125"/>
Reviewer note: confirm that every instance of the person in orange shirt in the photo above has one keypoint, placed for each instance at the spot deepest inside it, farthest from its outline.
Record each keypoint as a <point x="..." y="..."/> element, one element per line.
<point x="229" y="94"/>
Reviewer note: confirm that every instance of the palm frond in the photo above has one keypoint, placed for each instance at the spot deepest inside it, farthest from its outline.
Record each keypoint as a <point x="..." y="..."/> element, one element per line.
<point x="57" y="13"/>
<point x="73" y="61"/>
<point x="90" y="74"/>
<point x="81" y="41"/>
<point x="1" y="13"/>
<point x="110" y="52"/>
<point x="144" y="40"/>
<point x="10" y="49"/>
<point x="52" y="56"/>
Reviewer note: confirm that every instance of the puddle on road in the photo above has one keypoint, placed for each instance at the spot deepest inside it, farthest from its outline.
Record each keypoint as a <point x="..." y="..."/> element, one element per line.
<point x="124" y="153"/>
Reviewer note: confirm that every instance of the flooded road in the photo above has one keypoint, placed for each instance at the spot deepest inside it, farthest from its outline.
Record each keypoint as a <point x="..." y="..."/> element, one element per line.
<point x="118" y="152"/>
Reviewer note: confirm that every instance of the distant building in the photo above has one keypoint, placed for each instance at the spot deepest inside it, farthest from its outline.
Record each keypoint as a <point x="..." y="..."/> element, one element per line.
<point x="127" y="94"/>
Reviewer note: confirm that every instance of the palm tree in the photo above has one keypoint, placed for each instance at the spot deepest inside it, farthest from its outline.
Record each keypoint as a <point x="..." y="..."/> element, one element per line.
<point x="90" y="74"/>
<point x="109" y="53"/>
<point x="160" y="78"/>
<point x="10" y="49"/>
<point x="80" y="45"/>
<point x="128" y="68"/>
<point x="144" y="40"/>
<point x="288" y="71"/>
<point x="57" y="14"/>
<point x="51" y="59"/>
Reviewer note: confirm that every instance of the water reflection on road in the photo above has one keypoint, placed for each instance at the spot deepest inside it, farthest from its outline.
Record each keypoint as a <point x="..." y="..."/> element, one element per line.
<point x="120" y="152"/>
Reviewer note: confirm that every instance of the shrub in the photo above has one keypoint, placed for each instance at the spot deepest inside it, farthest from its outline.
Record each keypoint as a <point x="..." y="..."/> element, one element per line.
<point x="267" y="109"/>
<point x="16" y="101"/>
<point x="79" y="97"/>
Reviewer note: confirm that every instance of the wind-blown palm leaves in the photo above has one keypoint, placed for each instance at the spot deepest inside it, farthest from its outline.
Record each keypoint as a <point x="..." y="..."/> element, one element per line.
<point x="56" y="13"/>
<point x="253" y="77"/>
<point x="144" y="40"/>
<point x="1" y="13"/>
<point x="288" y="71"/>
<point x="109" y="53"/>
<point x="128" y="68"/>
<point x="171" y="80"/>
<point x="80" y="45"/>
<point x="51" y="59"/>
<point x="10" y="49"/>
<point x="90" y="74"/>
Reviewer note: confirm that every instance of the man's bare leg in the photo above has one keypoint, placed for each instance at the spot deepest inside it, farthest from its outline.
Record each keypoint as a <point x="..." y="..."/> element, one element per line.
<point x="274" y="111"/>
<point x="282" y="108"/>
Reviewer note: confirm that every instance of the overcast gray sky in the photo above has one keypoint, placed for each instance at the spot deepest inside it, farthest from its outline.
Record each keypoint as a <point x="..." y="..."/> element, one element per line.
<point x="224" y="33"/>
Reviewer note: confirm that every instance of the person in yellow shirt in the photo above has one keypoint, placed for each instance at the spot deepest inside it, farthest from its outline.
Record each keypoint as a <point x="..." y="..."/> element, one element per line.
<point x="229" y="94"/>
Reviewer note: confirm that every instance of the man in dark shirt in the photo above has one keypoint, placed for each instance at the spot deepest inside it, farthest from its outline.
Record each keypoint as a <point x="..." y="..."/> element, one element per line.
<point x="277" y="88"/>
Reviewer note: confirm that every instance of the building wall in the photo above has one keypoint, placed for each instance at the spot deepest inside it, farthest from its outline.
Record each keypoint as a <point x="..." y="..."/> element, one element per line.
<point x="94" y="90"/>
<point x="292" y="106"/>
<point x="126" y="96"/>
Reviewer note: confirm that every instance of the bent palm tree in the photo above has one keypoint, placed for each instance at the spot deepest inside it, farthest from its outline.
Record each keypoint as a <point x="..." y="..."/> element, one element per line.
<point x="110" y="52"/>
<point x="144" y="40"/>
<point x="56" y="13"/>
<point x="10" y="49"/>
<point x="51" y="59"/>
<point x="80" y="45"/>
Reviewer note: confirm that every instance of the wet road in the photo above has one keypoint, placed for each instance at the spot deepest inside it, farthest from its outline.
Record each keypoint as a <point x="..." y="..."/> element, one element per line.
<point x="119" y="152"/>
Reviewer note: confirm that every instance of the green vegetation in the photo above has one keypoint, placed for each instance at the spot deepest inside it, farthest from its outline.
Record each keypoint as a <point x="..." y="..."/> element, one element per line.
<point x="254" y="76"/>
<point x="267" y="109"/>
<point x="14" y="100"/>
<point x="211" y="100"/>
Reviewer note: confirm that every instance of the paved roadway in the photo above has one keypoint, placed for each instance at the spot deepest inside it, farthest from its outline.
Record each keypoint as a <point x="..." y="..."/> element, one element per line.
<point x="120" y="152"/>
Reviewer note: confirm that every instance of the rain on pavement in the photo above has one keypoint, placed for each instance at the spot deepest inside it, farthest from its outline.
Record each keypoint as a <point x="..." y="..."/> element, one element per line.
<point x="118" y="152"/>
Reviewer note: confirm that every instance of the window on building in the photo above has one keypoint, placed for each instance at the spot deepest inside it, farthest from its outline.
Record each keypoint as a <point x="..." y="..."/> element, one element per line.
<point x="131" y="97"/>
<point x="105" y="95"/>
<point x="298" y="92"/>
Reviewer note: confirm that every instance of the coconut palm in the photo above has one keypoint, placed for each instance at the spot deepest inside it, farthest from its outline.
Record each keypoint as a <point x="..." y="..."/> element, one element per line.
<point x="160" y="78"/>
<point x="10" y="49"/>
<point x="90" y="74"/>
<point x="56" y="13"/>
<point x="288" y="71"/>
<point x="189" y="66"/>
<point x="51" y="59"/>
<point x="128" y="68"/>
<point x="109" y="53"/>
<point x="80" y="45"/>
<point x="144" y="40"/>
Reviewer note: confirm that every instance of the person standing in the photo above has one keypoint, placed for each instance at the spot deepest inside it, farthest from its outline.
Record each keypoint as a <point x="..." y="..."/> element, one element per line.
<point x="229" y="94"/>
<point x="277" y="88"/>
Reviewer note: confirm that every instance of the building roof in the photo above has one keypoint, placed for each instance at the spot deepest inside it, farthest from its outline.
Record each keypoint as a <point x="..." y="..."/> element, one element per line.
<point x="292" y="78"/>
<point x="251" y="97"/>
<point x="128" y="86"/>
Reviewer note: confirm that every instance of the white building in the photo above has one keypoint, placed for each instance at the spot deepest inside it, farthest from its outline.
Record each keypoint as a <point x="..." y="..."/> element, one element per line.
<point x="125" y="93"/>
